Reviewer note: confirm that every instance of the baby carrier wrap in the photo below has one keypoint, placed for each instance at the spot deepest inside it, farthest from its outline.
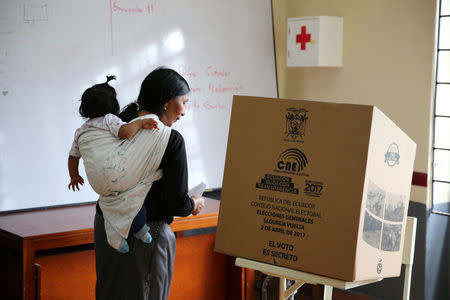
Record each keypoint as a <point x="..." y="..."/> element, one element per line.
<point x="122" y="173"/>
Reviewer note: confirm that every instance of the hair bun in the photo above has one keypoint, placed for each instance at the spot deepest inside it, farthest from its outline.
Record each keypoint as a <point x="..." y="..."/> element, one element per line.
<point x="110" y="77"/>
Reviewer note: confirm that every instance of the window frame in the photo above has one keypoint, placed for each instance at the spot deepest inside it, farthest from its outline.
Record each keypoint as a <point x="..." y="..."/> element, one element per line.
<point x="437" y="116"/>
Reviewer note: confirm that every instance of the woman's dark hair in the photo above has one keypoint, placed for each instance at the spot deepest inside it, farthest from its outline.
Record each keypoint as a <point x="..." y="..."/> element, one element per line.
<point x="99" y="100"/>
<point x="160" y="86"/>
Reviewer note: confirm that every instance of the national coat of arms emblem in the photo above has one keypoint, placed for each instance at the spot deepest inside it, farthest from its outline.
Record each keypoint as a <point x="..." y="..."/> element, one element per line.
<point x="296" y="122"/>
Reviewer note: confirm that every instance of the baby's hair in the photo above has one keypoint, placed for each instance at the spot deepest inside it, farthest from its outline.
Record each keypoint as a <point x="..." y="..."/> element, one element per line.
<point x="99" y="100"/>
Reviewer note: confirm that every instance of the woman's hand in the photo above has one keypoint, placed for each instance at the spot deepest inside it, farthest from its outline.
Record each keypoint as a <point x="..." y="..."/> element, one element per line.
<point x="199" y="204"/>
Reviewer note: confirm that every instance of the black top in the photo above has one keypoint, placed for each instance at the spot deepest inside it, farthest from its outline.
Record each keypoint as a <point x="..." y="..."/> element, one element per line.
<point x="168" y="196"/>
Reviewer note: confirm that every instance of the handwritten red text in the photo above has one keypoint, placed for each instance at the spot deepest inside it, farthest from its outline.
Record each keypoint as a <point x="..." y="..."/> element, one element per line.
<point x="208" y="105"/>
<point x="204" y="105"/>
<point x="192" y="105"/>
<point x="148" y="8"/>
<point x="187" y="73"/>
<point x="224" y="89"/>
<point x="211" y="71"/>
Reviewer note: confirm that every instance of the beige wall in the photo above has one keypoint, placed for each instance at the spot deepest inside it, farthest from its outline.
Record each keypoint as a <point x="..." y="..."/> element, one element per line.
<point x="388" y="62"/>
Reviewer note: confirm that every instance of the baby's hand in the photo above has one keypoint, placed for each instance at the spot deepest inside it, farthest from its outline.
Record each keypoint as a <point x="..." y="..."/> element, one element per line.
<point x="149" y="124"/>
<point x="74" y="181"/>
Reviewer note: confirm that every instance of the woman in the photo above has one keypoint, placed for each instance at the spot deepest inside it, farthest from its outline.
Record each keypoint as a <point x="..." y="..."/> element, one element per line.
<point x="146" y="271"/>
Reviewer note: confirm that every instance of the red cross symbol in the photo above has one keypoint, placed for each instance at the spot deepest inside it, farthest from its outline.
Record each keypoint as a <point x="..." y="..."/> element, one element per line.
<point x="303" y="38"/>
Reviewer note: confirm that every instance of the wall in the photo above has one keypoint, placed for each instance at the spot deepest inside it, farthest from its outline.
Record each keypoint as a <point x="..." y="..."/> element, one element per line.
<point x="388" y="61"/>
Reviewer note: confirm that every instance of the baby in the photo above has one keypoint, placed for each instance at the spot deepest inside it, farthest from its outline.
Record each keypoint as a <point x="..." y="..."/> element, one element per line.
<point x="100" y="106"/>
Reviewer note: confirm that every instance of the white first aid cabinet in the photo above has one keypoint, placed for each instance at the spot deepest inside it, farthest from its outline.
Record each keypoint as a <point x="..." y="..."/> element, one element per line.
<point x="315" y="41"/>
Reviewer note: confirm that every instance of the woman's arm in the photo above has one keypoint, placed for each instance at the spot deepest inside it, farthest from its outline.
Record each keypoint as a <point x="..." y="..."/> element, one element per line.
<point x="176" y="183"/>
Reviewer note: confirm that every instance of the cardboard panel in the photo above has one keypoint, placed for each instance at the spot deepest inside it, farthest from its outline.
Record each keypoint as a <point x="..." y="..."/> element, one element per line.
<point x="386" y="200"/>
<point x="295" y="177"/>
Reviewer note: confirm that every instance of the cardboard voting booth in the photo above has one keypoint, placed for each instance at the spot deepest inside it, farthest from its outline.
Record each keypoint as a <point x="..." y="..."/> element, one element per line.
<point x="317" y="187"/>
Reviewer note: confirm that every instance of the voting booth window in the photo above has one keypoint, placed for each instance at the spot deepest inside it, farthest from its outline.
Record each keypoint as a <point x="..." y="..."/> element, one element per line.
<point x="441" y="143"/>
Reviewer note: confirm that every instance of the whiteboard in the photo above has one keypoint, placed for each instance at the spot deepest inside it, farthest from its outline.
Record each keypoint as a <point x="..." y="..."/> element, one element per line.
<point x="52" y="50"/>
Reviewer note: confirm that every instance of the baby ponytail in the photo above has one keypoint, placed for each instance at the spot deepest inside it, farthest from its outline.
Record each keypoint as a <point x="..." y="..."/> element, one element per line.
<point x="110" y="77"/>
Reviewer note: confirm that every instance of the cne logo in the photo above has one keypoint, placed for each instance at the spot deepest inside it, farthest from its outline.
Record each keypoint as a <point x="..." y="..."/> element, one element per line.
<point x="296" y="122"/>
<point x="292" y="161"/>
<point x="392" y="155"/>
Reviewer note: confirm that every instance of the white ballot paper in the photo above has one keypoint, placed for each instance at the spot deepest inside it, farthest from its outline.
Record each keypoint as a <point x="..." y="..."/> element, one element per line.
<point x="197" y="190"/>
